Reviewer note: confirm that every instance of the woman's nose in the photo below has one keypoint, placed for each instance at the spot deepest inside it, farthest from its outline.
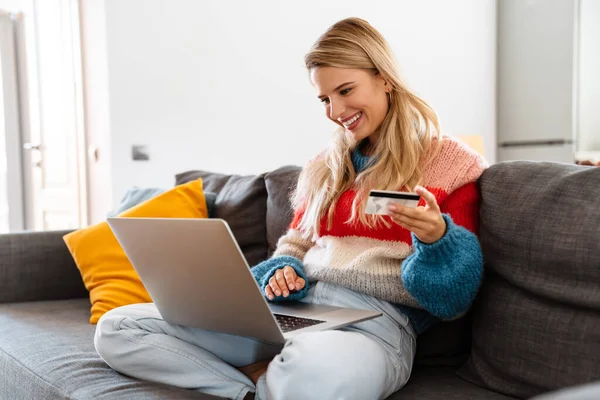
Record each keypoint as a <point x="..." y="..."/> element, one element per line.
<point x="336" y="108"/>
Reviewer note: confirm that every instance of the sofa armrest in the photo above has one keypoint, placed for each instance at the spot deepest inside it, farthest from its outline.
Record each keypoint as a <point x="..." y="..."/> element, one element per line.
<point x="37" y="266"/>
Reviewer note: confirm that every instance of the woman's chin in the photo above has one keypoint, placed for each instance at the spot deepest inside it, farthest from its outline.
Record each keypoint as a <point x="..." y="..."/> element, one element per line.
<point x="357" y="135"/>
<point x="352" y="136"/>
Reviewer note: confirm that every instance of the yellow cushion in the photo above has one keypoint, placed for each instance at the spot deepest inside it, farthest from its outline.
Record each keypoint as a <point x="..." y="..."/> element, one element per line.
<point x="106" y="271"/>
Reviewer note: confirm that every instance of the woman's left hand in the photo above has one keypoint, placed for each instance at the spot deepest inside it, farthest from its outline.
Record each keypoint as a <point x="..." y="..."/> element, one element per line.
<point x="425" y="222"/>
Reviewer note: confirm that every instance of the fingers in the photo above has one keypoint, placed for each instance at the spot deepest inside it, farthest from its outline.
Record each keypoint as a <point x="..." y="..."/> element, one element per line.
<point x="282" y="282"/>
<point x="282" y="288"/>
<point x="299" y="284"/>
<point x="274" y="286"/>
<point x="429" y="226"/>
<point x="290" y="277"/>
<point x="428" y="196"/>
<point x="423" y="222"/>
<point x="397" y="211"/>
<point x="269" y="292"/>
<point x="426" y="222"/>
<point x="409" y="223"/>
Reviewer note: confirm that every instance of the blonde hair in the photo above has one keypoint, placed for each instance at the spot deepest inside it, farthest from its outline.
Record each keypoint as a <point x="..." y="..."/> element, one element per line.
<point x="406" y="133"/>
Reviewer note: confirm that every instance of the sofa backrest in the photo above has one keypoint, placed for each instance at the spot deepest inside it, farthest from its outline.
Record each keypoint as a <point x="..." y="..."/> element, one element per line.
<point x="536" y="323"/>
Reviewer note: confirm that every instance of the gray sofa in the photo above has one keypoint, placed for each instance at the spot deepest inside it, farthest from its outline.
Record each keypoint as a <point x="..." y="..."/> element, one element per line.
<point x="534" y="328"/>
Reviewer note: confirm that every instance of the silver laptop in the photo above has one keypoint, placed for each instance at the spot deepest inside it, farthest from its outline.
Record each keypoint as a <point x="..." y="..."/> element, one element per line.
<point x="197" y="276"/>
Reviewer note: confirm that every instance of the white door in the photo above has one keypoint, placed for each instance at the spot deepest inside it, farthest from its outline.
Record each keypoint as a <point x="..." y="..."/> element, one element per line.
<point x="11" y="187"/>
<point x="53" y="148"/>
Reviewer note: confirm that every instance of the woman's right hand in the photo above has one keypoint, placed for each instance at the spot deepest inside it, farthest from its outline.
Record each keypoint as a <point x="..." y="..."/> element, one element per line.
<point x="284" y="281"/>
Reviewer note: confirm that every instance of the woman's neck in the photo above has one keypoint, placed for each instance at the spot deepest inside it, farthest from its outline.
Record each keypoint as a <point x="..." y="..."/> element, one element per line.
<point x="366" y="148"/>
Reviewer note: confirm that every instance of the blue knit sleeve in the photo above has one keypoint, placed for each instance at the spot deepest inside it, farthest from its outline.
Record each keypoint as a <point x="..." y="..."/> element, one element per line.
<point x="444" y="276"/>
<point x="265" y="270"/>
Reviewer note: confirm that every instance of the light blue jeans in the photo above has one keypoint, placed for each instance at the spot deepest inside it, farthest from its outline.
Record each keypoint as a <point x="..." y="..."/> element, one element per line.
<point x="368" y="360"/>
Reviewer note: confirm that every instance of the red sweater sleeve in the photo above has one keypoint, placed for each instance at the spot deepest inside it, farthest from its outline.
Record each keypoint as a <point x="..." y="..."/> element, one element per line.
<point x="463" y="206"/>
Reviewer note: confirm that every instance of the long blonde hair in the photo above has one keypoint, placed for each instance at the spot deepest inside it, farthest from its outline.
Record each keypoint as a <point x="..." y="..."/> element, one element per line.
<point x="406" y="133"/>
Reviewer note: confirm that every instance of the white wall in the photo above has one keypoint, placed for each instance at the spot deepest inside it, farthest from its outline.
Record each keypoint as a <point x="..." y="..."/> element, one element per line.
<point x="220" y="85"/>
<point x="589" y="78"/>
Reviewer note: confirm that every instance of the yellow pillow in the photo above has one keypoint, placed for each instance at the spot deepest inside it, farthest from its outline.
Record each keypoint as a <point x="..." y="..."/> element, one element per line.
<point x="106" y="271"/>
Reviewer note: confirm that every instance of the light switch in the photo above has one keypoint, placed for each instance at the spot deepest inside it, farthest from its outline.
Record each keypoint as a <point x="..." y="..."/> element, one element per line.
<point x="139" y="153"/>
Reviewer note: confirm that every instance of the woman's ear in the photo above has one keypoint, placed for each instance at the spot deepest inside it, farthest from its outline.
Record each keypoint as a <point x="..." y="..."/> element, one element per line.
<point x="387" y="87"/>
<point x="382" y="81"/>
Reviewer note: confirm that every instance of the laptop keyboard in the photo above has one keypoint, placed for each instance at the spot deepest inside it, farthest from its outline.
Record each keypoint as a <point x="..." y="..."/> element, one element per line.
<point x="288" y="323"/>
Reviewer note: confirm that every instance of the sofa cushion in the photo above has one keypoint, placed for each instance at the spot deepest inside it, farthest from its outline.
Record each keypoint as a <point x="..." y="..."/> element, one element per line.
<point x="536" y="324"/>
<point x="442" y="383"/>
<point x="589" y="391"/>
<point x="448" y="343"/>
<point x="47" y="352"/>
<point x="242" y="202"/>
<point x="280" y="184"/>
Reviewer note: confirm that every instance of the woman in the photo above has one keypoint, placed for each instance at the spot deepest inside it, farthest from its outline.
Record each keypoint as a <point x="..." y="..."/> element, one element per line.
<point x="414" y="265"/>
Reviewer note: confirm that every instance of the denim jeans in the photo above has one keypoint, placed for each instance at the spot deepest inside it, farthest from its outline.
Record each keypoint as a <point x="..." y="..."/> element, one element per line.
<point x="369" y="360"/>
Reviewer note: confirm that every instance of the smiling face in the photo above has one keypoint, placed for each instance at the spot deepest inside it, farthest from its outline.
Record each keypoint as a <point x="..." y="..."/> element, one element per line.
<point x="355" y="99"/>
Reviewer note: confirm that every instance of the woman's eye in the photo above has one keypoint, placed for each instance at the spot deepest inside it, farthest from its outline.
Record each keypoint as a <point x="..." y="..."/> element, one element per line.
<point x="325" y="100"/>
<point x="344" y="92"/>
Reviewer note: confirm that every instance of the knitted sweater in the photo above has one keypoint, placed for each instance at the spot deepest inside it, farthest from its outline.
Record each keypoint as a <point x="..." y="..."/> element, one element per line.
<point x="424" y="280"/>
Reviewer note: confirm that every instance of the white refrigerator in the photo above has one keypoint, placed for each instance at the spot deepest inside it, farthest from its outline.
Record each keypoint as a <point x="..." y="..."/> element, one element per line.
<point x="537" y="80"/>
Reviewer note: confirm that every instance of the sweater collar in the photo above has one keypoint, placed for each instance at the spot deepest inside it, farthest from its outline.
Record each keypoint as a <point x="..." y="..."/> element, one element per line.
<point x="359" y="160"/>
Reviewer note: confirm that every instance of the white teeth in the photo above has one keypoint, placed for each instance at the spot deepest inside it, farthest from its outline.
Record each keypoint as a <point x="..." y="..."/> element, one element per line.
<point x="351" y="121"/>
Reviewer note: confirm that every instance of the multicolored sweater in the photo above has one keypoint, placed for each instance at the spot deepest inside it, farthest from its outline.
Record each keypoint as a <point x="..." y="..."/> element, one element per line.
<point x="426" y="281"/>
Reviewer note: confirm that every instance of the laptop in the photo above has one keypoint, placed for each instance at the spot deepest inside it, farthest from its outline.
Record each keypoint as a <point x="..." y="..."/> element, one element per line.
<point x="197" y="276"/>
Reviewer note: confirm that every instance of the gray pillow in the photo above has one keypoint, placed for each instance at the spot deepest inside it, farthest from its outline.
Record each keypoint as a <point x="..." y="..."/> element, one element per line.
<point x="280" y="184"/>
<point x="242" y="202"/>
<point x="134" y="196"/>
<point x="137" y="195"/>
<point x="536" y="323"/>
